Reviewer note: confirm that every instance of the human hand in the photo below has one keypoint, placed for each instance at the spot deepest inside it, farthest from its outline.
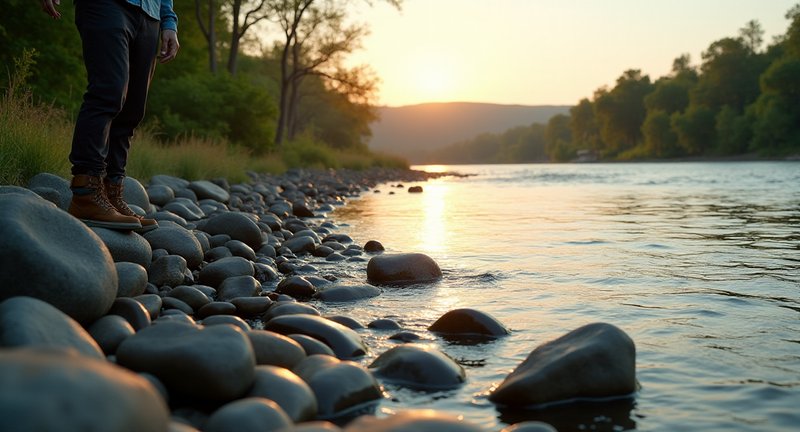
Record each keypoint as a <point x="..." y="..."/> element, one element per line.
<point x="169" y="46"/>
<point x="49" y="7"/>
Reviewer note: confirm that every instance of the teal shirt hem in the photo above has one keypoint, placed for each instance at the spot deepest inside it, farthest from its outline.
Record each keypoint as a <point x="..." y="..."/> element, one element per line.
<point x="161" y="10"/>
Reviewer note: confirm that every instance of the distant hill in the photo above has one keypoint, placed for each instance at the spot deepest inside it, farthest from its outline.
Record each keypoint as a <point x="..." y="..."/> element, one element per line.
<point x="411" y="131"/>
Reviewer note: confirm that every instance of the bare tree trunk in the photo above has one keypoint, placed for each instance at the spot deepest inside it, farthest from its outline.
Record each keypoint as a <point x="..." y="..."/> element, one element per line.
<point x="235" y="37"/>
<point x="284" y="95"/>
<point x="209" y="31"/>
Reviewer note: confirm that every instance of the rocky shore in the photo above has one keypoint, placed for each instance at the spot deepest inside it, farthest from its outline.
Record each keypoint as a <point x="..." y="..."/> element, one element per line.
<point x="208" y="322"/>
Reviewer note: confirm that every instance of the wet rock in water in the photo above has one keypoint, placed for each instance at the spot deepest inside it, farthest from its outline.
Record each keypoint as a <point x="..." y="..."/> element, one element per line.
<point x="204" y="189"/>
<point x="402" y="269"/>
<point x="238" y="286"/>
<point x="47" y="254"/>
<point x="240" y="249"/>
<point x="275" y="349"/>
<point x="342" y="388"/>
<point x="345" y="342"/>
<point x="322" y="251"/>
<point x="415" y="189"/>
<point x="216" y="308"/>
<point x="214" y="273"/>
<point x="132" y="311"/>
<point x="126" y="246"/>
<point x="335" y="257"/>
<point x="593" y="361"/>
<point x="56" y="183"/>
<point x="346" y="293"/>
<point x="109" y="331"/>
<point x="281" y="308"/>
<point x="346" y="321"/>
<point x="413" y="420"/>
<point x="177" y="241"/>
<point x="418" y="367"/>
<point x="27" y="322"/>
<point x="238" y="226"/>
<point x="530" y="426"/>
<point x="132" y="279"/>
<point x="248" y="415"/>
<point x="189" y="295"/>
<point x="468" y="322"/>
<point x="312" y="346"/>
<point x="288" y="390"/>
<point x="167" y="270"/>
<point x="160" y="195"/>
<point x="247" y="307"/>
<point x="227" y="320"/>
<point x="339" y="238"/>
<point x="55" y="390"/>
<point x="405" y="336"/>
<point x="384" y="324"/>
<point x="297" y="287"/>
<point x="152" y="303"/>
<point x="213" y="363"/>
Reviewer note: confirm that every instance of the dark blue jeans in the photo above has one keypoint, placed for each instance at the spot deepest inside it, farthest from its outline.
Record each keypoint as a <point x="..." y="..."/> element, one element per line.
<point x="120" y="43"/>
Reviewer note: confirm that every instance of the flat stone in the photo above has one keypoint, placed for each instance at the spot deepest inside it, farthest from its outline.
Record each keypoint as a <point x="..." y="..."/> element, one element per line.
<point x="345" y="342"/>
<point x="54" y="390"/>
<point x="345" y="321"/>
<point x="213" y="363"/>
<point x="173" y="303"/>
<point x="231" y="320"/>
<point x="418" y="367"/>
<point x="177" y="241"/>
<point x="248" y="307"/>
<point x="172" y="182"/>
<point x="189" y="295"/>
<point x="413" y="420"/>
<point x="594" y="361"/>
<point x="347" y="293"/>
<point x="187" y="210"/>
<point x="289" y="308"/>
<point x="275" y="349"/>
<point x="30" y="322"/>
<point x="288" y="390"/>
<point x="216" y="272"/>
<point x="204" y="189"/>
<point x="216" y="308"/>
<point x="402" y="269"/>
<point x="237" y="225"/>
<point x="47" y="254"/>
<point x="132" y="279"/>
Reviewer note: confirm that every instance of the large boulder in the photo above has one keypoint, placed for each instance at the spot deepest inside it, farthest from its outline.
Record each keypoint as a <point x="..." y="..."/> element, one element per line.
<point x="49" y="390"/>
<point x="594" y="361"/>
<point x="207" y="190"/>
<point x="238" y="226"/>
<point x="52" y="181"/>
<point x="48" y="254"/>
<point x="177" y="241"/>
<point x="405" y="268"/>
<point x="414" y="420"/>
<point x="345" y="342"/>
<point x="126" y="246"/>
<point x="29" y="322"/>
<point x="418" y="367"/>
<point x="215" y="363"/>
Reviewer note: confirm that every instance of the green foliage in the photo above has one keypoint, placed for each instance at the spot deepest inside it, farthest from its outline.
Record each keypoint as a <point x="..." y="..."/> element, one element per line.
<point x="733" y="132"/>
<point x="305" y="152"/>
<point x="695" y="129"/>
<point x="660" y="140"/>
<point x="620" y="112"/>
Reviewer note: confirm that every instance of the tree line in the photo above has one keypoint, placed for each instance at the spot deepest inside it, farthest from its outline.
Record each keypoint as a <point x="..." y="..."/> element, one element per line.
<point x="741" y="99"/>
<point x="255" y="73"/>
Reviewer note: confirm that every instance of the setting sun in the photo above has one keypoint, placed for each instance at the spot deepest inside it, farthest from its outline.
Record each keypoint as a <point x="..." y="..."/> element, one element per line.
<point x="436" y="80"/>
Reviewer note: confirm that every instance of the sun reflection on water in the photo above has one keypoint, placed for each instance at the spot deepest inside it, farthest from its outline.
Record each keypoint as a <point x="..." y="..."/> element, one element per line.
<point x="433" y="234"/>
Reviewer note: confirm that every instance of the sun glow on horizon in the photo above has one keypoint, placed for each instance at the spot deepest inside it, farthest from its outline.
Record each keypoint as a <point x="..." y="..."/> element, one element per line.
<point x="432" y="76"/>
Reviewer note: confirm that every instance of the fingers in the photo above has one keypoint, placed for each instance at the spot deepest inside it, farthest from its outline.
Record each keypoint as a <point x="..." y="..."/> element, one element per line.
<point x="49" y="7"/>
<point x="169" y="46"/>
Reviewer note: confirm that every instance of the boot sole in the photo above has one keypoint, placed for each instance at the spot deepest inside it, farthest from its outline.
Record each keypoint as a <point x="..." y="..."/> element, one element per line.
<point x="112" y="225"/>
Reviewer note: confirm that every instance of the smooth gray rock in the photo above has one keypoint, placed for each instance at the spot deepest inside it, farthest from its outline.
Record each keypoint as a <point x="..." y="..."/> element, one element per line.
<point x="227" y="320"/>
<point x="238" y="286"/>
<point x="419" y="368"/>
<point x="301" y="244"/>
<point x="30" y="322"/>
<point x="48" y="254"/>
<point x="288" y="390"/>
<point x="187" y="210"/>
<point x="413" y="420"/>
<point x="216" y="308"/>
<point x="168" y="270"/>
<point x="189" y="295"/>
<point x="297" y="287"/>
<point x="213" y="363"/>
<point x="468" y="322"/>
<point x="49" y="194"/>
<point x="384" y="324"/>
<point x="109" y="331"/>
<point x="217" y="253"/>
<point x="9" y="189"/>
<point x="594" y="361"/>
<point x="52" y="181"/>
<point x="347" y="293"/>
<point x="53" y="390"/>
<point x="160" y="195"/>
<point x="252" y="414"/>
<point x="373" y="246"/>
<point x="275" y="349"/>
<point x="132" y="279"/>
<point x="345" y="342"/>
<point x="240" y="249"/>
<point x="132" y="311"/>
<point x="530" y="426"/>
<point x="168" y="216"/>
<point x="248" y="307"/>
<point x="177" y="241"/>
<point x="289" y="308"/>
<point x="134" y="193"/>
<point x="312" y="346"/>
<point x="152" y="304"/>
<point x="173" y="303"/>
<point x="339" y="386"/>
<point x="238" y="226"/>
<point x="172" y="182"/>
<point x="126" y="246"/>
<point x="204" y="189"/>
<point x="216" y="272"/>
<point x="402" y="269"/>
<point x="345" y="321"/>
<point x="314" y="426"/>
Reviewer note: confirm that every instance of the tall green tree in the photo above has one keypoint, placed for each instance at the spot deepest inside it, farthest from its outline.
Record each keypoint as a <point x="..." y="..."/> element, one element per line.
<point x="621" y="111"/>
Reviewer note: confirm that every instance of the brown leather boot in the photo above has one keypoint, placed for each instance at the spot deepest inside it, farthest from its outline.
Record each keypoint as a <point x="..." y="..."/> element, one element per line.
<point x="114" y="193"/>
<point x="91" y="206"/>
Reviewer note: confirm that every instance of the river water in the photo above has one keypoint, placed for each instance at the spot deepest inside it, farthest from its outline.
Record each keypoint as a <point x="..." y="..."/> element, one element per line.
<point x="698" y="262"/>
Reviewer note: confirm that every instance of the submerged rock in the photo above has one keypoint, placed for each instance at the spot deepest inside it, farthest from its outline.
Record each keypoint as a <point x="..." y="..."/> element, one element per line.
<point x="468" y="322"/>
<point x="402" y="269"/>
<point x="593" y="361"/>
<point x="342" y="388"/>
